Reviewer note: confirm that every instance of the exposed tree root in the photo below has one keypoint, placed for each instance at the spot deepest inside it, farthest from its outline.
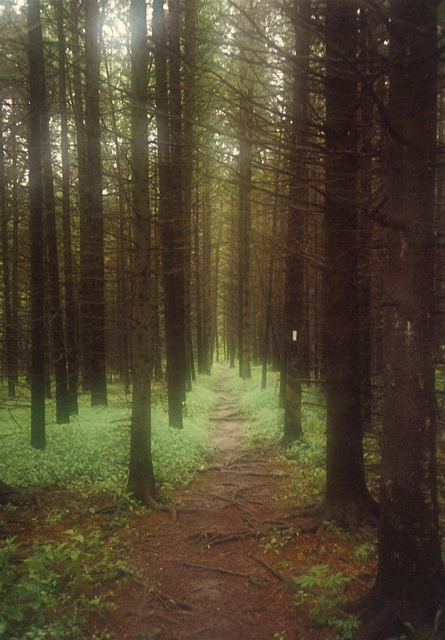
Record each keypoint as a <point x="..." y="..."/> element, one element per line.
<point x="348" y="515"/>
<point x="17" y="496"/>
<point x="211" y="538"/>
<point x="227" y="572"/>
<point x="288" y="583"/>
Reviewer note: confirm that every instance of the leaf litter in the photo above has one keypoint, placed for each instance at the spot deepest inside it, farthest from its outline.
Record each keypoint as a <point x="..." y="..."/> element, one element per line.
<point x="228" y="566"/>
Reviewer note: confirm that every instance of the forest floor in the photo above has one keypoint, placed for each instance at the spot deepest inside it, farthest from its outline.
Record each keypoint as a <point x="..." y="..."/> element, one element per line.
<point x="220" y="562"/>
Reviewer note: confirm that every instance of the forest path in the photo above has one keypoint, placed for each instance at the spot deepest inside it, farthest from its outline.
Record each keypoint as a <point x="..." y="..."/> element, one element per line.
<point x="206" y="573"/>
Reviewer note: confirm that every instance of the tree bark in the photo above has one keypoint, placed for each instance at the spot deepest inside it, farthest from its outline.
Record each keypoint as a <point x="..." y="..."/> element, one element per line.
<point x="188" y="164"/>
<point x="410" y="583"/>
<point x="295" y="328"/>
<point x="36" y="203"/>
<point x="245" y="115"/>
<point x="82" y="171"/>
<point x="141" y="481"/>
<point x="347" y="500"/>
<point x="70" y="297"/>
<point x="58" y="353"/>
<point x="9" y="342"/>
<point x="95" y="241"/>
<point x="170" y="214"/>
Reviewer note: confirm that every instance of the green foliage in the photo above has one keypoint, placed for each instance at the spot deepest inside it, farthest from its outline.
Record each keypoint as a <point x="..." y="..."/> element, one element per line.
<point x="323" y="591"/>
<point x="364" y="551"/>
<point x="44" y="595"/>
<point x="94" y="448"/>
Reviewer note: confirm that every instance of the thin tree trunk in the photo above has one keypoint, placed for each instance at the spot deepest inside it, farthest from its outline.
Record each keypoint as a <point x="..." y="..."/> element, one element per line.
<point x="206" y="274"/>
<point x="9" y="363"/>
<point x="52" y="257"/>
<point x="36" y="200"/>
<point x="122" y="317"/>
<point x="84" y="331"/>
<point x="244" y="235"/>
<point x="170" y="214"/>
<point x="95" y="274"/>
<point x="141" y="481"/>
<point x="198" y="292"/>
<point x="188" y="164"/>
<point x="70" y="298"/>
<point x="270" y="282"/>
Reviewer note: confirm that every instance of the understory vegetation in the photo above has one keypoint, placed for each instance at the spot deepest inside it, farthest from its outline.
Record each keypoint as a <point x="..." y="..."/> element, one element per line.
<point x="51" y="583"/>
<point x="47" y="586"/>
<point x="94" y="448"/>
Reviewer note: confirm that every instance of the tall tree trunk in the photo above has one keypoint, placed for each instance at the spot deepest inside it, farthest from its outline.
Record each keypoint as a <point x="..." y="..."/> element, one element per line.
<point x="82" y="171"/>
<point x="9" y="343"/>
<point x="270" y="280"/>
<point x="122" y="292"/>
<point x="188" y="164"/>
<point x="245" y="215"/>
<point x="206" y="273"/>
<point x="410" y="584"/>
<point x="15" y="294"/>
<point x="70" y="298"/>
<point x="36" y="202"/>
<point x="141" y="482"/>
<point x="170" y="214"/>
<point x="52" y="256"/>
<point x="294" y="326"/>
<point x="95" y="274"/>
<point x="347" y="500"/>
<point x="198" y="291"/>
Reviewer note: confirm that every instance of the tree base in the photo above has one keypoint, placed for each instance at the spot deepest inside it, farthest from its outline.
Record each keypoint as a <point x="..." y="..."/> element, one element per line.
<point x="350" y="514"/>
<point x="395" y="619"/>
<point x="17" y="496"/>
<point x="287" y="440"/>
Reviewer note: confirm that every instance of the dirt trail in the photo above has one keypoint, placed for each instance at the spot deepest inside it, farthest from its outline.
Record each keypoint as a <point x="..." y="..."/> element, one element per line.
<point x="205" y="574"/>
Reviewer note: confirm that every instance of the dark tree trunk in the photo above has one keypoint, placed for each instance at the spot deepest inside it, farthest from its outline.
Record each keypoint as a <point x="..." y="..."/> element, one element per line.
<point x="79" y="119"/>
<point x="188" y="164"/>
<point x="244" y="235"/>
<point x="9" y="342"/>
<point x="206" y="274"/>
<point x="95" y="279"/>
<point x="269" y="294"/>
<point x="70" y="298"/>
<point x="170" y="214"/>
<point x="58" y="353"/>
<point x="36" y="203"/>
<point x="15" y="295"/>
<point x="198" y="292"/>
<point x="141" y="482"/>
<point x="410" y="584"/>
<point x="294" y="327"/>
<point x="347" y="500"/>
<point x="121" y="317"/>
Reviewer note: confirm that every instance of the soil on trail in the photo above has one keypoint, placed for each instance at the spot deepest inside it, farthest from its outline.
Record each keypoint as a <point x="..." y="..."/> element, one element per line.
<point x="206" y="568"/>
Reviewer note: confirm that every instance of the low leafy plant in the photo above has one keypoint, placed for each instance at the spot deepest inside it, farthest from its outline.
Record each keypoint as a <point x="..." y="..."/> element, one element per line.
<point x="364" y="551"/>
<point x="94" y="448"/>
<point x="323" y="591"/>
<point x="44" y="595"/>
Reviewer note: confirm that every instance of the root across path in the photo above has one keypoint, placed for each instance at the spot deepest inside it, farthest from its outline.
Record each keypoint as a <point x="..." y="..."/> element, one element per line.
<point x="218" y="569"/>
<point x="218" y="561"/>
